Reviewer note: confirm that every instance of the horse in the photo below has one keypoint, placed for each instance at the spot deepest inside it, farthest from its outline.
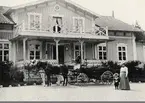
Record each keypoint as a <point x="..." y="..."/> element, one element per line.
<point x="64" y="73"/>
<point x="48" y="70"/>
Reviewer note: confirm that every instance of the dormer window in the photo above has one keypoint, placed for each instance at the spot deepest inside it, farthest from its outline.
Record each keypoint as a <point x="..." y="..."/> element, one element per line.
<point x="79" y="24"/>
<point x="34" y="21"/>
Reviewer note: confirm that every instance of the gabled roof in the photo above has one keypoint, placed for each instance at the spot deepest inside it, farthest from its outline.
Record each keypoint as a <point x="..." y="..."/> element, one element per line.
<point x="4" y="19"/>
<point x="115" y="24"/>
<point x="43" y="1"/>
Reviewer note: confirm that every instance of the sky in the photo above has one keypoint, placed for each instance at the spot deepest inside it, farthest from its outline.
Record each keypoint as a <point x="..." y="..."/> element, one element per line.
<point x="128" y="11"/>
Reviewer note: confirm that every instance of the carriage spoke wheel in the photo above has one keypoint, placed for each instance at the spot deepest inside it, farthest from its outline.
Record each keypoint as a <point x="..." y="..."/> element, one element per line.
<point x="82" y="79"/>
<point x="107" y="78"/>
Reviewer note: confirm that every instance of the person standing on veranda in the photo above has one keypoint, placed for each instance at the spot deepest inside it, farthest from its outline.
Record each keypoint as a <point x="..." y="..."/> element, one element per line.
<point x="124" y="82"/>
<point x="77" y="61"/>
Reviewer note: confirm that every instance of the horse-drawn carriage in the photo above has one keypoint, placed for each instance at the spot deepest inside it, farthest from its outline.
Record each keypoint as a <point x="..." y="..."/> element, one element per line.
<point x="94" y="74"/>
<point x="82" y="75"/>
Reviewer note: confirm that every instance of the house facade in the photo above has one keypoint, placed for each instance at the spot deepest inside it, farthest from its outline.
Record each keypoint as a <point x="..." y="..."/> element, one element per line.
<point x="58" y="31"/>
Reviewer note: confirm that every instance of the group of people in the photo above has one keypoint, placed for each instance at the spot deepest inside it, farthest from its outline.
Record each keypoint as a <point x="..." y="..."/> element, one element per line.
<point x="121" y="81"/>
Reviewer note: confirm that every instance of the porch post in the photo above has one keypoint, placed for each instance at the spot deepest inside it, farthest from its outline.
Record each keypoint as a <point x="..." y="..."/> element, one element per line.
<point x="81" y="42"/>
<point x="107" y="50"/>
<point x="24" y="49"/>
<point x="14" y="51"/>
<point x="57" y="41"/>
<point x="134" y="48"/>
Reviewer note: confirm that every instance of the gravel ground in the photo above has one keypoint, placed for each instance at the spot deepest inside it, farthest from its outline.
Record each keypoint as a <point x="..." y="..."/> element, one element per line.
<point x="73" y="93"/>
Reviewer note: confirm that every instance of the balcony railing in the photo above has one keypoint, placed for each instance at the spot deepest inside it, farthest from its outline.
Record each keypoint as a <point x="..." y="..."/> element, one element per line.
<point x="63" y="29"/>
<point x="6" y="34"/>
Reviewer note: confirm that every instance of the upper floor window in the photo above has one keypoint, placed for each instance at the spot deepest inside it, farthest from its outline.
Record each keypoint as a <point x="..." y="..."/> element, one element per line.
<point x="34" y="21"/>
<point x="122" y="52"/>
<point x="79" y="24"/>
<point x="4" y="51"/>
<point x="102" y="51"/>
<point x="57" y="24"/>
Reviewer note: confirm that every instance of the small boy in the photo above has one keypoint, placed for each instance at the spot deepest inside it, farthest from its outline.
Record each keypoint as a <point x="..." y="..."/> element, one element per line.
<point x="116" y="80"/>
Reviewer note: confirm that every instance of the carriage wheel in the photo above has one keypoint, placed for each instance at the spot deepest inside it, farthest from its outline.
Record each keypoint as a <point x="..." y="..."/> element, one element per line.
<point x="107" y="77"/>
<point x="82" y="79"/>
<point x="72" y="80"/>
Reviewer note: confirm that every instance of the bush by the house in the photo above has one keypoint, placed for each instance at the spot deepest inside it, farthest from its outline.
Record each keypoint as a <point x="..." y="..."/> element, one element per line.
<point x="135" y="73"/>
<point x="113" y="66"/>
<point x="16" y="74"/>
<point x="5" y="78"/>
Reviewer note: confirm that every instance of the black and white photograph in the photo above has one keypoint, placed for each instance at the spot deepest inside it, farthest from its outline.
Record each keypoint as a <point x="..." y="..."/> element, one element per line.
<point x="72" y="50"/>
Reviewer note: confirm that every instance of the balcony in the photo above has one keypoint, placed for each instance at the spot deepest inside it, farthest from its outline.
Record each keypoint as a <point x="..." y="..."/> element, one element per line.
<point x="62" y="32"/>
<point x="6" y="34"/>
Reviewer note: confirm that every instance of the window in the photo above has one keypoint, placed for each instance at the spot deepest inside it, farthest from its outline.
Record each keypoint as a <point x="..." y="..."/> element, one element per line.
<point x="4" y="51"/>
<point x="122" y="52"/>
<point x="102" y="52"/>
<point x="34" y="21"/>
<point x="34" y="51"/>
<point x="79" y="24"/>
<point x="57" y="24"/>
<point x="77" y="50"/>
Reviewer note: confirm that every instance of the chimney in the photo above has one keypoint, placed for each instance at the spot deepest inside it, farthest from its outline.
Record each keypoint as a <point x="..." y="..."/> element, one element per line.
<point x="113" y="14"/>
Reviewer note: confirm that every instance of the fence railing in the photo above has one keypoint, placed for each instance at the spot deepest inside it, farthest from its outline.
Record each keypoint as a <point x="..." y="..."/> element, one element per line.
<point x="62" y="29"/>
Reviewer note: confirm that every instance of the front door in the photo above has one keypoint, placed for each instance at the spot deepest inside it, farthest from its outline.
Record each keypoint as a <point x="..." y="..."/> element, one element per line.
<point x="61" y="54"/>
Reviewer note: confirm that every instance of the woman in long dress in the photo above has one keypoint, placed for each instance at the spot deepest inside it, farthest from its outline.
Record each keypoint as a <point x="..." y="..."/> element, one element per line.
<point x="124" y="82"/>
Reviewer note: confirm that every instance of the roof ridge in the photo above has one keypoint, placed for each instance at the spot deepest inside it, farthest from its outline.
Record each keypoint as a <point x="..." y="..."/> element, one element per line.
<point x="115" y="24"/>
<point x="119" y="20"/>
<point x="42" y="1"/>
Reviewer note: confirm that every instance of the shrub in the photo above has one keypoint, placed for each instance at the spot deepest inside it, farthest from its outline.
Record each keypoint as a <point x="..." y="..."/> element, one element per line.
<point x="16" y="74"/>
<point x="5" y="72"/>
<point x="113" y="66"/>
<point x="134" y="72"/>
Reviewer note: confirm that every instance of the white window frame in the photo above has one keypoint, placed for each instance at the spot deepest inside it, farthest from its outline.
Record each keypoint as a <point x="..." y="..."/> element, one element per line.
<point x="102" y="45"/>
<point x="122" y="45"/>
<point x="52" y="44"/>
<point x="35" y="43"/>
<point x="83" y="23"/>
<point x="40" y="20"/>
<point x="84" y="50"/>
<point x="54" y="17"/>
<point x="5" y="49"/>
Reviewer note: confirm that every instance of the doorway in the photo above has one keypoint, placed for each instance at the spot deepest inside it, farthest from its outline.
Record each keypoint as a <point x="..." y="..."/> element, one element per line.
<point x="61" y="54"/>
